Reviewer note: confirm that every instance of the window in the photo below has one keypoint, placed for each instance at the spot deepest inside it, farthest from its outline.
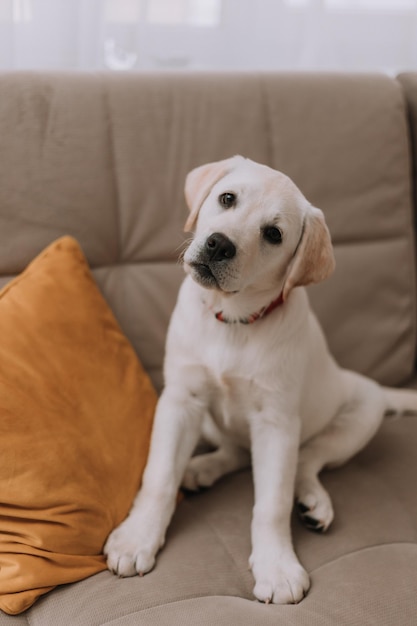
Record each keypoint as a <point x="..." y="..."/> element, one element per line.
<point x="16" y="11"/>
<point x="354" y="5"/>
<point x="165" y="12"/>
<point x="379" y="6"/>
<point x="120" y="35"/>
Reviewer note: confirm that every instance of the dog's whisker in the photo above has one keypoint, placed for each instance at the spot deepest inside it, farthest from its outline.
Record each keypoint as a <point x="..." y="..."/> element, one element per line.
<point x="184" y="244"/>
<point x="182" y="249"/>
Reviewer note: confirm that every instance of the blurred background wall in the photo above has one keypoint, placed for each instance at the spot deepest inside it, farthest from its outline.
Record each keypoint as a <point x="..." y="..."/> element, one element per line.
<point x="117" y="35"/>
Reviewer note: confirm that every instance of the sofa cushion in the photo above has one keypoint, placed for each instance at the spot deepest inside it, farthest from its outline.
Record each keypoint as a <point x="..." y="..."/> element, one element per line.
<point x="76" y="411"/>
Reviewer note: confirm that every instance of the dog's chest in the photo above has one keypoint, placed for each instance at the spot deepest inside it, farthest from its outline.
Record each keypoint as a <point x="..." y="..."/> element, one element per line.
<point x="235" y="396"/>
<point x="233" y="402"/>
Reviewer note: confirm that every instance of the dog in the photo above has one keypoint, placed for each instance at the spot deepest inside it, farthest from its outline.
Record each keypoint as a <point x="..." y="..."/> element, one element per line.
<point x="247" y="367"/>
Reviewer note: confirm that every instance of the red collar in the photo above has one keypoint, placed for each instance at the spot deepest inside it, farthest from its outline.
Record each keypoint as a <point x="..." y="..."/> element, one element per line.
<point x="255" y="316"/>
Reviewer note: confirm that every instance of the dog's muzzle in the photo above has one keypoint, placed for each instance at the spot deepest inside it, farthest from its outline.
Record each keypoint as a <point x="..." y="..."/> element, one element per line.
<point x="210" y="264"/>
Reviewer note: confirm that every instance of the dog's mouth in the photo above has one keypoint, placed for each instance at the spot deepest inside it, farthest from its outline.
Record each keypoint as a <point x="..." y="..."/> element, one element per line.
<point x="204" y="276"/>
<point x="202" y="273"/>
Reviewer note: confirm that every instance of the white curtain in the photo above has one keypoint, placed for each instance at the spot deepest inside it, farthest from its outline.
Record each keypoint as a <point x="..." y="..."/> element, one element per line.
<point x="117" y="35"/>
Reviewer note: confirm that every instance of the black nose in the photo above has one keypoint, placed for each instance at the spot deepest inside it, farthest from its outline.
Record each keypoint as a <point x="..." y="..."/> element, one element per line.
<point x="219" y="247"/>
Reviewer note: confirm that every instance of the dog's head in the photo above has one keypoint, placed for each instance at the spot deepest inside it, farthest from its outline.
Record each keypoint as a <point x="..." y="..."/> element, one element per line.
<point x="253" y="228"/>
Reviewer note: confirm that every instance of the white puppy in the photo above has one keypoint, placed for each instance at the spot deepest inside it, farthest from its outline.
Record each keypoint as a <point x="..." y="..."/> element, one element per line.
<point x="247" y="366"/>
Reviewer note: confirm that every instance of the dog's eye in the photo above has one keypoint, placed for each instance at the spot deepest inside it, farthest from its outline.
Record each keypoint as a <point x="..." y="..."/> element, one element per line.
<point x="227" y="200"/>
<point x="272" y="234"/>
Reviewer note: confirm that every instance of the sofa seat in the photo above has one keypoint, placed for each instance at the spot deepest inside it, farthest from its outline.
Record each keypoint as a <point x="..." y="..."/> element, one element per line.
<point x="368" y="558"/>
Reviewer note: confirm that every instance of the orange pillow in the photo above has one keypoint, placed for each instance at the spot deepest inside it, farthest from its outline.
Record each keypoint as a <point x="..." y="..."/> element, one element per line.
<point x="76" y="411"/>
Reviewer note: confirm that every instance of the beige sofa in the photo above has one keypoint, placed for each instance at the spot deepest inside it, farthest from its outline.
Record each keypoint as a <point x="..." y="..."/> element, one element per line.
<point x="103" y="158"/>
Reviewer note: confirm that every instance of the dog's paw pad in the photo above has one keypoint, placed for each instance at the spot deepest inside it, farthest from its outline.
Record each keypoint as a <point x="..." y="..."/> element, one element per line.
<point x="315" y="510"/>
<point x="310" y="522"/>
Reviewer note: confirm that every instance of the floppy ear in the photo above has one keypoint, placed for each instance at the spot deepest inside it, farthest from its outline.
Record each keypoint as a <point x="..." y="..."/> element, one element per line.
<point x="313" y="260"/>
<point x="199" y="183"/>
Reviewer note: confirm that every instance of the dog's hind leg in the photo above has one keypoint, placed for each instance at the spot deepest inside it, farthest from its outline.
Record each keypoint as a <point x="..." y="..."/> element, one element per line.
<point x="350" y="430"/>
<point x="204" y="470"/>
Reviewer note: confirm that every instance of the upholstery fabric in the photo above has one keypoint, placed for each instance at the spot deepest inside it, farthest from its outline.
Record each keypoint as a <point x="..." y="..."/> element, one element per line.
<point x="76" y="411"/>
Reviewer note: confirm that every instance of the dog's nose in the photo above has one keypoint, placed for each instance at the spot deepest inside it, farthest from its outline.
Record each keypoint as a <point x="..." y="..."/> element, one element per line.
<point x="219" y="247"/>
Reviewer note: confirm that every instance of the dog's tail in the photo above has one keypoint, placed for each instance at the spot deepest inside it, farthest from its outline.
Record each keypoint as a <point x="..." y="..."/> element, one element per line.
<point x="400" y="400"/>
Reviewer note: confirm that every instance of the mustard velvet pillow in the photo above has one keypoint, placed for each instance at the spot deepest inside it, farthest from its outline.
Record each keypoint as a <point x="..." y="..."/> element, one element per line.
<point x="76" y="411"/>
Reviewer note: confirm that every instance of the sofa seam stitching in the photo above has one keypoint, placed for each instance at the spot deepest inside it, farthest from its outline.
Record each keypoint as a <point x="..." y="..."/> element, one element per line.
<point x="178" y="601"/>
<point x="364" y="549"/>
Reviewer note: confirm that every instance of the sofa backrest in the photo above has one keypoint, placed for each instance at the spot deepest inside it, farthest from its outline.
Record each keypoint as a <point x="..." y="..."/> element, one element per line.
<point x="408" y="82"/>
<point x="103" y="158"/>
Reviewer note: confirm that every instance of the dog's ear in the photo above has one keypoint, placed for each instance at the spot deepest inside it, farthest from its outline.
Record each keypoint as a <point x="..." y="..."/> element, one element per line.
<point x="313" y="260"/>
<point x="199" y="183"/>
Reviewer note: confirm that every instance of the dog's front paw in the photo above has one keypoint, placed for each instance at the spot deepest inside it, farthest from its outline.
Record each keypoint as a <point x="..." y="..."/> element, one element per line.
<point x="128" y="551"/>
<point x="279" y="582"/>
